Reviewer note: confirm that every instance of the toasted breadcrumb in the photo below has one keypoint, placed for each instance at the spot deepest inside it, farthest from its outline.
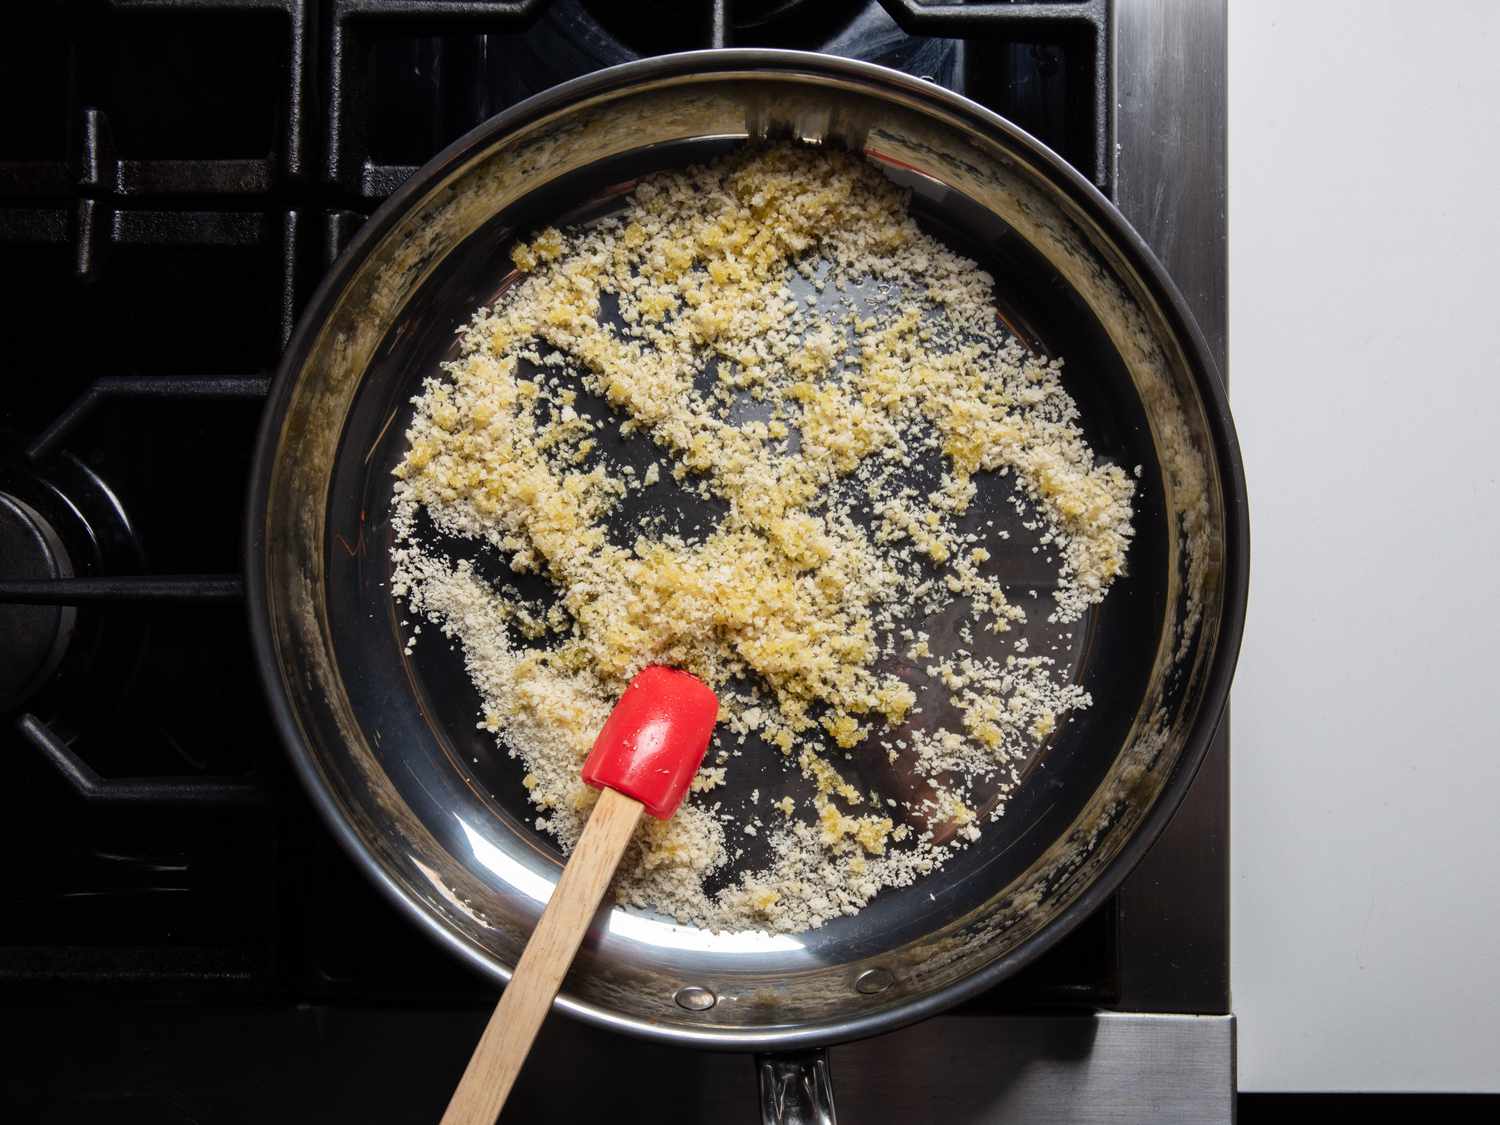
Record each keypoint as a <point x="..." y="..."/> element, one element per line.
<point x="801" y="420"/>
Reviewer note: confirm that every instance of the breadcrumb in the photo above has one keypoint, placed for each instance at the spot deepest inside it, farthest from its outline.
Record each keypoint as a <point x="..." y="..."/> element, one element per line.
<point x="805" y="421"/>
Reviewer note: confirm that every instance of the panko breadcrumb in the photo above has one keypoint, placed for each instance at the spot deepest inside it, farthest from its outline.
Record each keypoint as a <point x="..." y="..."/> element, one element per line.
<point x="803" y="421"/>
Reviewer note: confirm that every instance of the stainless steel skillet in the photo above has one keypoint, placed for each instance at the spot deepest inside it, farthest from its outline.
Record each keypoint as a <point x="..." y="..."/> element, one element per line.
<point x="386" y="741"/>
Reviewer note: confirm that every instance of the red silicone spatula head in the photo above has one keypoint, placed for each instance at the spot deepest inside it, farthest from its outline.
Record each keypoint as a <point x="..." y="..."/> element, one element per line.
<point x="654" y="739"/>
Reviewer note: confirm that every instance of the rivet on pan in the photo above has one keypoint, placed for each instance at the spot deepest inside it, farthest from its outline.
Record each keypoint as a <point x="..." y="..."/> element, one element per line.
<point x="695" y="999"/>
<point x="872" y="981"/>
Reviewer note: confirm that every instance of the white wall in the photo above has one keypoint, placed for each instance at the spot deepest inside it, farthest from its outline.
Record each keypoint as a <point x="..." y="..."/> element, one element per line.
<point x="1364" y="182"/>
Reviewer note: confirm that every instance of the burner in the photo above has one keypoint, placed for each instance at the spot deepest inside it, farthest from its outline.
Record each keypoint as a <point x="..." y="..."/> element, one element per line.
<point x="399" y="97"/>
<point x="37" y="635"/>
<point x="59" y="522"/>
<point x="680" y="25"/>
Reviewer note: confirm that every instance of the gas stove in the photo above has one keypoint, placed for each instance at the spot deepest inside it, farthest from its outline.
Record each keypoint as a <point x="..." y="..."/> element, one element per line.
<point x="187" y="941"/>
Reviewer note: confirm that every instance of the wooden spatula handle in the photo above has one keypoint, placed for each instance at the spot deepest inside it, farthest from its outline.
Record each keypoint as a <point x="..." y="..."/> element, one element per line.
<point x="507" y="1038"/>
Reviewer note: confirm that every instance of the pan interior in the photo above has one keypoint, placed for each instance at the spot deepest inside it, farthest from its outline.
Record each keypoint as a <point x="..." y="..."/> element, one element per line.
<point x="419" y="710"/>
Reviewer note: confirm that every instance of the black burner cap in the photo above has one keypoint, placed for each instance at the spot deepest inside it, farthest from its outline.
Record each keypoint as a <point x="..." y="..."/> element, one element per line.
<point x="36" y="636"/>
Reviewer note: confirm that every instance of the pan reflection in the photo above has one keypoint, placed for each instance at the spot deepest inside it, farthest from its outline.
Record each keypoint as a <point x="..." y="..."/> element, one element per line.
<point x="666" y="935"/>
<point x="509" y="870"/>
<point x="633" y="927"/>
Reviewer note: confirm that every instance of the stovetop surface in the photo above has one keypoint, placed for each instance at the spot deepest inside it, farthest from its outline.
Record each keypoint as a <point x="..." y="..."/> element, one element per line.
<point x="175" y="177"/>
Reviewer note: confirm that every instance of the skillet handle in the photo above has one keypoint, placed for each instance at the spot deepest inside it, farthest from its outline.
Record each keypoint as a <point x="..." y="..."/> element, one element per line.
<point x="796" y="1089"/>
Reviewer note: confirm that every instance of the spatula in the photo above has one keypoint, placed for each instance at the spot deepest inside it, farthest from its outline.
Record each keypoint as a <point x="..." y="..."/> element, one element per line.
<point x="644" y="760"/>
